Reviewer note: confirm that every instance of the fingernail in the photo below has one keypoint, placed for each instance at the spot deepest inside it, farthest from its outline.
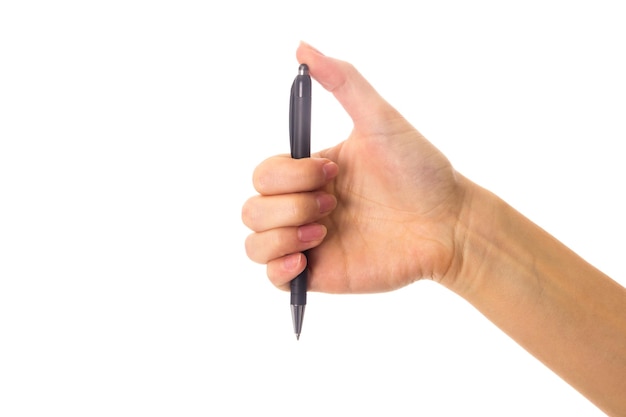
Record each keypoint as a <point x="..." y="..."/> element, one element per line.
<point x="292" y="261"/>
<point x="311" y="232"/>
<point x="326" y="202"/>
<point x="330" y="170"/>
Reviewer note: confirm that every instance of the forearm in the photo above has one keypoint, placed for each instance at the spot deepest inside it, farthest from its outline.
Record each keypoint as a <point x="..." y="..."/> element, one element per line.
<point x="561" y="309"/>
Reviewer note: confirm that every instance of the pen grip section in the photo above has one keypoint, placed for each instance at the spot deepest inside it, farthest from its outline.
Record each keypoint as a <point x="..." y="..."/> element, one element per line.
<point x="298" y="289"/>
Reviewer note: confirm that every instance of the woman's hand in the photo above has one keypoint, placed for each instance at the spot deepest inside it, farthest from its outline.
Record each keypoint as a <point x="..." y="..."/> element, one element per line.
<point x="377" y="212"/>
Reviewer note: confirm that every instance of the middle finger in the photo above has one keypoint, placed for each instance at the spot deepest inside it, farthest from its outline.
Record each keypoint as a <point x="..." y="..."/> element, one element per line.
<point x="262" y="213"/>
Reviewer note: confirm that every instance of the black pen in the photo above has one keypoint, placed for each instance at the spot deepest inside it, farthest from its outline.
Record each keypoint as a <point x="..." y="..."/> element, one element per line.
<point x="300" y="140"/>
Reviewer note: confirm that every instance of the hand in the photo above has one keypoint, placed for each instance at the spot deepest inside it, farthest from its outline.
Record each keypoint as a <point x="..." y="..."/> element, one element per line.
<point x="385" y="208"/>
<point x="378" y="211"/>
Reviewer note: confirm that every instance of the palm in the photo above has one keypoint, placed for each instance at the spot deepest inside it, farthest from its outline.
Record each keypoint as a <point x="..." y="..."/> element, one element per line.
<point x="395" y="215"/>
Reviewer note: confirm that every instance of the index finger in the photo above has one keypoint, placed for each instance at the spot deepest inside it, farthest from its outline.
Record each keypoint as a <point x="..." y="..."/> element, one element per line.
<point x="281" y="174"/>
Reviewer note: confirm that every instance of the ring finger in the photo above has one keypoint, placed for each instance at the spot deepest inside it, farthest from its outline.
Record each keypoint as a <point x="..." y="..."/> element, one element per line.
<point x="265" y="246"/>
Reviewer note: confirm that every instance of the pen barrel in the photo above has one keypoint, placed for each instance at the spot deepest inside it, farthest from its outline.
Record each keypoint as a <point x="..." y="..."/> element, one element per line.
<point x="300" y="132"/>
<point x="300" y="141"/>
<point x="298" y="288"/>
<point x="300" y="118"/>
<point x="301" y="146"/>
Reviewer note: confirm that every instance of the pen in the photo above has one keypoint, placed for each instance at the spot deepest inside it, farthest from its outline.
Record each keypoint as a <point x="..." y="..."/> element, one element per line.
<point x="300" y="142"/>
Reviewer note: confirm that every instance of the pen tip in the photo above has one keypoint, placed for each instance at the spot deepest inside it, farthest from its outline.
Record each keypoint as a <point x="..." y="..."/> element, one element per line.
<point x="297" y="336"/>
<point x="303" y="70"/>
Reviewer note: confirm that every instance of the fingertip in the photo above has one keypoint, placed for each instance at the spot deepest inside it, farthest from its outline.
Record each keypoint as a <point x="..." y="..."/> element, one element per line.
<point x="303" y="46"/>
<point x="352" y="90"/>
<point x="281" y="271"/>
<point x="293" y="263"/>
<point x="321" y="67"/>
<point x="330" y="169"/>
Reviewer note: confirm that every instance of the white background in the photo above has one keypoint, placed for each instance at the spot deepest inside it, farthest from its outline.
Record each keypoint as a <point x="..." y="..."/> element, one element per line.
<point x="128" y="135"/>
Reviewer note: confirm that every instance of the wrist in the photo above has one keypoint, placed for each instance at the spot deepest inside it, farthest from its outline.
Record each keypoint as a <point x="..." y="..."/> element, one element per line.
<point x="489" y="242"/>
<point x="547" y="298"/>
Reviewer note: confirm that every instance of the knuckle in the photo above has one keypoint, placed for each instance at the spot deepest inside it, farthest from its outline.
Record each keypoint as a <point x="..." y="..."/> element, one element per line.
<point x="260" y="179"/>
<point x="301" y="210"/>
<point x="249" y="215"/>
<point x="251" y="248"/>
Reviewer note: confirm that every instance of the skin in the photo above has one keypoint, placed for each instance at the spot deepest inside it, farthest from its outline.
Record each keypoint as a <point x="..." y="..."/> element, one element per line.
<point x="385" y="208"/>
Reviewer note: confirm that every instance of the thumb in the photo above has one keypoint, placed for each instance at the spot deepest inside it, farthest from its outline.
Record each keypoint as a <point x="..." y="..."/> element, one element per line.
<point x="367" y="109"/>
